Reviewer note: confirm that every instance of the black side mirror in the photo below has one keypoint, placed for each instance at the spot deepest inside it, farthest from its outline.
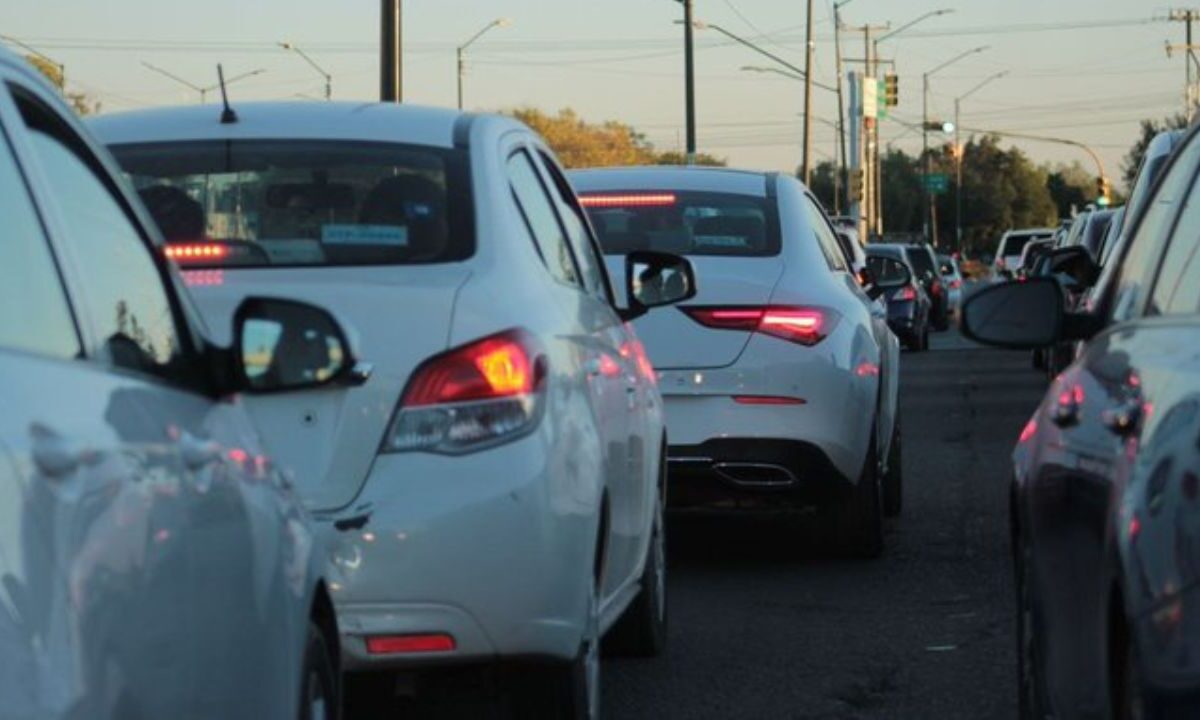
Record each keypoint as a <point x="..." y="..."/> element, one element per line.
<point x="1020" y="315"/>
<point x="282" y="345"/>
<point x="654" y="279"/>
<point x="1076" y="263"/>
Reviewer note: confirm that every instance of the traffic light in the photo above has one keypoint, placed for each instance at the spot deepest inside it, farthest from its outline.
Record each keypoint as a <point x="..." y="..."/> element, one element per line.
<point x="1103" y="191"/>
<point x="941" y="126"/>
<point x="891" y="90"/>
<point x="857" y="185"/>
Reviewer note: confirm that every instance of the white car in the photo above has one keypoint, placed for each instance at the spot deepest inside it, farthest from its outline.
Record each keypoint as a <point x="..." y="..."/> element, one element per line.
<point x="1008" y="251"/>
<point x="153" y="562"/>
<point x="780" y="380"/>
<point x="497" y="477"/>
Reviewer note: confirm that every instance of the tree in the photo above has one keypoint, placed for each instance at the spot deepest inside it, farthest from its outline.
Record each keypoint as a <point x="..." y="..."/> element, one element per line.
<point x="1071" y="187"/>
<point x="823" y="185"/>
<point x="582" y="144"/>
<point x="1002" y="189"/>
<point x="1150" y="128"/>
<point x="81" y="103"/>
<point x="901" y="181"/>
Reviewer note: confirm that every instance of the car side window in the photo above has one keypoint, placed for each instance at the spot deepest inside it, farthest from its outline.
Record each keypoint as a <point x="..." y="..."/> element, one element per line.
<point x="35" y="315"/>
<point x="124" y="295"/>
<point x="1177" y="288"/>
<point x="538" y="210"/>
<point x="591" y="266"/>
<point x="825" y="236"/>
<point x="1146" y="244"/>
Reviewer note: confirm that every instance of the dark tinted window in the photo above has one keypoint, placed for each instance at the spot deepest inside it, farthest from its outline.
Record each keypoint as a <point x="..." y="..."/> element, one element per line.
<point x="1177" y="288"/>
<point x="921" y="262"/>
<point x="884" y="269"/>
<point x="825" y="236"/>
<point x="34" y="313"/>
<point x="686" y="223"/>
<point x="591" y="265"/>
<point x="301" y="202"/>
<point x="538" y="209"/>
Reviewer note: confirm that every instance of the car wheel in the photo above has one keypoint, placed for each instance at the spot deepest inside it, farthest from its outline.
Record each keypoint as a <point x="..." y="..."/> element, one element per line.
<point x="893" y="480"/>
<point x="1029" y="667"/>
<point x="642" y="630"/>
<point x="319" y="697"/>
<point x="568" y="691"/>
<point x="858" y="518"/>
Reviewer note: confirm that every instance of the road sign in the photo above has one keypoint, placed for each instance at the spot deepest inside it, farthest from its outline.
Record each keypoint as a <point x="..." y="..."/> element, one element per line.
<point x="937" y="183"/>
<point x="870" y="104"/>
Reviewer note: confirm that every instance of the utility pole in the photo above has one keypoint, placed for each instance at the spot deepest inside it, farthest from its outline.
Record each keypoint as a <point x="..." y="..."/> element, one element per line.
<point x="1190" y="98"/>
<point x="865" y="161"/>
<point x="808" y="58"/>
<point x="391" y="63"/>
<point x="841" y="121"/>
<point x="689" y="71"/>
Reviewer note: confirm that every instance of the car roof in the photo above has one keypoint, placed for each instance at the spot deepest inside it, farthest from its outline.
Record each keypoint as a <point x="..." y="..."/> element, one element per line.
<point x="351" y="121"/>
<point x="672" y="177"/>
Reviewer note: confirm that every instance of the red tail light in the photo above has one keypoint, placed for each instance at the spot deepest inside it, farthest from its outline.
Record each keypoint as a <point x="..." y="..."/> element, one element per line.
<point x="935" y="288"/>
<point x="641" y="200"/>
<point x="196" y="252"/>
<point x="400" y="644"/>
<point x="955" y="284"/>
<point x="803" y="325"/>
<point x="495" y="367"/>
<point x="475" y="396"/>
<point x="906" y="294"/>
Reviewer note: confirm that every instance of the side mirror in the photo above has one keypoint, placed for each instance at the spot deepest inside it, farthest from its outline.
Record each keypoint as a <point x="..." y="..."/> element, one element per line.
<point x="1076" y="263"/>
<point x="1019" y="315"/>
<point x="654" y="279"/>
<point x="282" y="345"/>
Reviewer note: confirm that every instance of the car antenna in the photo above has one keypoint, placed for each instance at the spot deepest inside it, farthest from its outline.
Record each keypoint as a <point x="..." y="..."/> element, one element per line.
<point x="228" y="116"/>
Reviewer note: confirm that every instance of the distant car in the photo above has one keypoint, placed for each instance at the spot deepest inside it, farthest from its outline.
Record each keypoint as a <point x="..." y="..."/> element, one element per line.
<point x="1095" y="230"/>
<point x="780" y="379"/>
<point x="1008" y="251"/>
<point x="952" y="281"/>
<point x="1105" y="518"/>
<point x="908" y="304"/>
<point x="926" y="268"/>
<point x="1030" y="256"/>
<point x="496" y="477"/>
<point x="154" y="562"/>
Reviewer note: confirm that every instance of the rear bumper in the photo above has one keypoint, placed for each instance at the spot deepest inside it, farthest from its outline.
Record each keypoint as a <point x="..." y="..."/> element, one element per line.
<point x="751" y="473"/>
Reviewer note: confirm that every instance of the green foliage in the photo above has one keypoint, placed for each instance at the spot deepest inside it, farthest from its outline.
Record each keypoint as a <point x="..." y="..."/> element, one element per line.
<point x="579" y="144"/>
<point x="823" y="184"/>
<point x="674" y="157"/>
<point x="1071" y="187"/>
<point x="1149" y="128"/>
<point x="82" y="104"/>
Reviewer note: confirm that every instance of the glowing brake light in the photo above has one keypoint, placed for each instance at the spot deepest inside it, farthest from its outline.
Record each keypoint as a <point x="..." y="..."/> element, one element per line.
<point x="955" y="284"/>
<point x="195" y="252"/>
<point x="803" y="325"/>
<point x="906" y="294"/>
<point x="640" y="200"/>
<point x="401" y="644"/>
<point x="478" y="395"/>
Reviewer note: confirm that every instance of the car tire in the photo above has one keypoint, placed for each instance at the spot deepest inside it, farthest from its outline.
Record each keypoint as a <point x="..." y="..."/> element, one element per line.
<point x="642" y="629"/>
<point x="893" y="480"/>
<point x="319" y="687"/>
<point x="1030" y="680"/>
<point x="858" y="517"/>
<point x="571" y="690"/>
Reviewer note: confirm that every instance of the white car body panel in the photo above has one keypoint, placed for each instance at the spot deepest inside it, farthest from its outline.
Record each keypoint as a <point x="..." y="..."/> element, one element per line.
<point x="495" y="546"/>
<point x="152" y="564"/>
<point x="848" y="380"/>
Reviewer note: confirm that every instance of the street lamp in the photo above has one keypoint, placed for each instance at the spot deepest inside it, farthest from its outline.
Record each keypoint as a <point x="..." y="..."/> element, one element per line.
<point x="328" y="78"/>
<point x="62" y="69"/>
<point x="202" y="90"/>
<point x="958" y="157"/>
<point x="462" y="68"/>
<point x="925" y="165"/>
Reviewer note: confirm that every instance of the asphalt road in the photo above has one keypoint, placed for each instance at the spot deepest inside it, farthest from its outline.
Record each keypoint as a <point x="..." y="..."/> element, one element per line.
<point x="766" y="623"/>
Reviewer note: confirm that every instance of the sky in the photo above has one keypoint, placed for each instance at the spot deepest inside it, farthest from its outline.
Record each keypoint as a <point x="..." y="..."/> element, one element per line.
<point x="1087" y="70"/>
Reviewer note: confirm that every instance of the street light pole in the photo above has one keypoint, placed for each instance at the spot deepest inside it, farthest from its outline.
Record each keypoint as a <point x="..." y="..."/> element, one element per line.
<point x="498" y="22"/>
<point x="391" y="57"/>
<point x="806" y="162"/>
<point x="841" y="121"/>
<point x="689" y="81"/>
<point x="926" y="162"/>
<point x="328" y="78"/>
<point x="958" y="156"/>
<point x="203" y="91"/>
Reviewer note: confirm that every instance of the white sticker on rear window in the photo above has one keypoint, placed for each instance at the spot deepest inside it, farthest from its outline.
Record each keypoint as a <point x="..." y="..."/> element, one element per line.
<point x="721" y="240"/>
<point x="392" y="235"/>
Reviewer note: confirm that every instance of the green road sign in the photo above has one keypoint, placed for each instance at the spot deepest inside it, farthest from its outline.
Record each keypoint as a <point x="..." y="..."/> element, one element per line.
<point x="882" y="110"/>
<point x="937" y="183"/>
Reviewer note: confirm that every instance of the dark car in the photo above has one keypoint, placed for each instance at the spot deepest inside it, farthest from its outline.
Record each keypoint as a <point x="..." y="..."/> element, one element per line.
<point x="908" y="304"/>
<point x="924" y="263"/>
<point x="1106" y="486"/>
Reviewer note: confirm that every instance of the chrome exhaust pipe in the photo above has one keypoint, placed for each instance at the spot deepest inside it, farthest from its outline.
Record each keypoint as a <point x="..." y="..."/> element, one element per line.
<point x="756" y="474"/>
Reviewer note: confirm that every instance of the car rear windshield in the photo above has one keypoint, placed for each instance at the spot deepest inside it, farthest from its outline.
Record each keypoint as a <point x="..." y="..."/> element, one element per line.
<point x="1014" y="244"/>
<point x="921" y="262"/>
<point x="883" y="270"/>
<point x="262" y="203"/>
<point x="685" y="223"/>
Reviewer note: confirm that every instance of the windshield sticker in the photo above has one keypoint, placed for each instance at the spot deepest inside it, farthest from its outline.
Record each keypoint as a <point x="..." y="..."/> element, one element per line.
<point x="392" y="235"/>
<point x="721" y="240"/>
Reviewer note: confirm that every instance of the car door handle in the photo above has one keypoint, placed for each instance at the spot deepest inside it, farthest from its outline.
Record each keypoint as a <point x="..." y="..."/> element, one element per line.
<point x="1123" y="419"/>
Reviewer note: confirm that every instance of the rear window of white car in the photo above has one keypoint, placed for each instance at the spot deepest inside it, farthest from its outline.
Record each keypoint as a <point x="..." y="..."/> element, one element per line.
<point x="685" y="223"/>
<point x="1014" y="244"/>
<point x="263" y="203"/>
